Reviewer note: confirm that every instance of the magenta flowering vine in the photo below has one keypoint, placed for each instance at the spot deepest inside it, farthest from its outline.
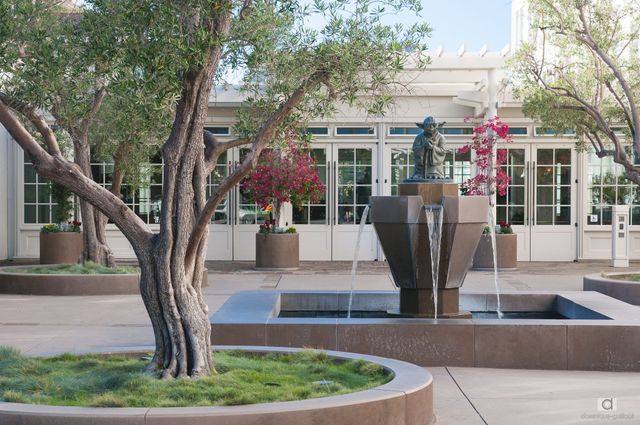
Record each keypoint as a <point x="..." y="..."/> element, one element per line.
<point x="485" y="135"/>
<point x="285" y="174"/>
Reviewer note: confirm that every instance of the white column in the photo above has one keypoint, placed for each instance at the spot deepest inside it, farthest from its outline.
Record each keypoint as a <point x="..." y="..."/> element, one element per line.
<point x="4" y="193"/>
<point x="492" y="111"/>
<point x="620" y="236"/>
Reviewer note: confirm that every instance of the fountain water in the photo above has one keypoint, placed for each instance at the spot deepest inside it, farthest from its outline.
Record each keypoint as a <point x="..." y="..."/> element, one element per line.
<point x="354" y="266"/>
<point x="434" y="217"/>
<point x="492" y="223"/>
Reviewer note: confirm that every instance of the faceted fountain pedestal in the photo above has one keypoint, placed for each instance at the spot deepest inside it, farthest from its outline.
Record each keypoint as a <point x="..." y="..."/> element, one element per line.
<point x="401" y="224"/>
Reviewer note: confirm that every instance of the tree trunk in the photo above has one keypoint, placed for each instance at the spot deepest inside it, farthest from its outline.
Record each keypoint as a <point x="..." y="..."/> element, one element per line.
<point x="171" y="291"/>
<point x="93" y="221"/>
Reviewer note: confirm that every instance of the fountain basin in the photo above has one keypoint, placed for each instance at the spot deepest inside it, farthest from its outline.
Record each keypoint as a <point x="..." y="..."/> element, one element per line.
<point x="600" y="333"/>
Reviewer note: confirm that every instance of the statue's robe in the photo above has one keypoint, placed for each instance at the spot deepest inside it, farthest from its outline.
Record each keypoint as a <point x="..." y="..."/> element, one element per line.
<point x="430" y="154"/>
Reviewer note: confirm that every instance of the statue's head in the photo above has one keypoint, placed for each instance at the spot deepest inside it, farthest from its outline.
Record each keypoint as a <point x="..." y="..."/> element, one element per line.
<point x="429" y="126"/>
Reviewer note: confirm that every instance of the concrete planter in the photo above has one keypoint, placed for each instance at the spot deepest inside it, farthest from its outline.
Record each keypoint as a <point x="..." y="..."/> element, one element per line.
<point x="60" y="247"/>
<point x="277" y="251"/>
<point x="623" y="290"/>
<point x="71" y="284"/>
<point x="507" y="252"/>
<point x="406" y="400"/>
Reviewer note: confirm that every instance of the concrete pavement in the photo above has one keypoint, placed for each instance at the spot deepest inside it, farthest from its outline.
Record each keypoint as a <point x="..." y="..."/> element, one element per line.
<point x="42" y="325"/>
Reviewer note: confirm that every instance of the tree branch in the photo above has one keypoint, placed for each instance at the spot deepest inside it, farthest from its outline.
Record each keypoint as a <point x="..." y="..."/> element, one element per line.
<point x="41" y="125"/>
<point x="266" y="133"/>
<point x="59" y="170"/>
<point x="586" y="38"/>
<point x="98" y="98"/>
<point x="214" y="148"/>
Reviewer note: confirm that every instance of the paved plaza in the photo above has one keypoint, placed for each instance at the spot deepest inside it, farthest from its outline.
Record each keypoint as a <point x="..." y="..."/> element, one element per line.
<point x="42" y="325"/>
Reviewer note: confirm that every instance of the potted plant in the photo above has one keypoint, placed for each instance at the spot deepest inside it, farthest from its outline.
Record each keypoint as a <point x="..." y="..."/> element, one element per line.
<point x="491" y="180"/>
<point x="61" y="242"/>
<point x="285" y="173"/>
<point x="506" y="248"/>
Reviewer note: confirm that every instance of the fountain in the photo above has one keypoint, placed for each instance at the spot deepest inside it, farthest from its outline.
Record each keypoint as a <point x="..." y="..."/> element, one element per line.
<point x="429" y="235"/>
<point x="401" y="223"/>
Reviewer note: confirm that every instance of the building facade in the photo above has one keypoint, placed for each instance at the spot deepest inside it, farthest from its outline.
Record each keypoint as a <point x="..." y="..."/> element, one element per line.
<point x="559" y="202"/>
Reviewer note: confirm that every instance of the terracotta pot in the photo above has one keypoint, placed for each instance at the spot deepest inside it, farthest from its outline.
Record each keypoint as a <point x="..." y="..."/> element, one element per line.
<point x="507" y="252"/>
<point x="60" y="247"/>
<point x="277" y="250"/>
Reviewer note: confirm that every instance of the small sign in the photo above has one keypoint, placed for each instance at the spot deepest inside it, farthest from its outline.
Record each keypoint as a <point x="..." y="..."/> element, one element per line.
<point x="593" y="218"/>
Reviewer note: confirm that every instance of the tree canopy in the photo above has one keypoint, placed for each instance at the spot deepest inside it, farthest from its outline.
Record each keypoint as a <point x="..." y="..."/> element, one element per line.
<point x="167" y="55"/>
<point x="580" y="70"/>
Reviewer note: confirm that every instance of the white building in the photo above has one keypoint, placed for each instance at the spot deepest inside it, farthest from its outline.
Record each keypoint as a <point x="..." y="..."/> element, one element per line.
<point x="558" y="203"/>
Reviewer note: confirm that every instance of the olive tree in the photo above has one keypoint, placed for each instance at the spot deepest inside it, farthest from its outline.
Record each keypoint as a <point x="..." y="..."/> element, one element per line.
<point x="50" y="63"/>
<point x="581" y="70"/>
<point x="178" y="49"/>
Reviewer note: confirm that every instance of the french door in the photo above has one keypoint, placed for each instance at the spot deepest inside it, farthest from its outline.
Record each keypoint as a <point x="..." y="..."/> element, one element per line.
<point x="329" y="228"/>
<point x="540" y="203"/>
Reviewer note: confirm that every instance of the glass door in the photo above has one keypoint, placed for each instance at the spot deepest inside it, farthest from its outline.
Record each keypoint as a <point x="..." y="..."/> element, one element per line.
<point x="514" y="206"/>
<point x="312" y="221"/>
<point x="220" y="237"/>
<point x="552" y="194"/>
<point x="353" y="181"/>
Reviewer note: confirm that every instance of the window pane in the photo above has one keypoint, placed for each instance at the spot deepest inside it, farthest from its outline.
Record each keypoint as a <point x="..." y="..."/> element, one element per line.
<point x="345" y="215"/>
<point x="29" y="173"/>
<point x="345" y="156"/>
<point x="544" y="175"/>
<point x="30" y="214"/>
<point x="30" y="193"/>
<point x="545" y="156"/>
<point x="544" y="215"/>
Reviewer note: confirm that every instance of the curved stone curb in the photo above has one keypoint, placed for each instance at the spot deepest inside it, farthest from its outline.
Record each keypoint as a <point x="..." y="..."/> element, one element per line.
<point x="70" y="284"/>
<point x="406" y="400"/>
<point x="624" y="290"/>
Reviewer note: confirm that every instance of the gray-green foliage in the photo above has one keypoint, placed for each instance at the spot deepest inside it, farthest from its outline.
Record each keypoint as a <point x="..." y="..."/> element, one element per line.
<point x="559" y="76"/>
<point x="54" y="57"/>
<point x="357" y="56"/>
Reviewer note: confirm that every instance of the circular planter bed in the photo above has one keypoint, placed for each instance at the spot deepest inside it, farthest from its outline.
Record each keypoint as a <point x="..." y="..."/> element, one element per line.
<point x="507" y="252"/>
<point x="616" y="285"/>
<point x="13" y="281"/>
<point x="405" y="400"/>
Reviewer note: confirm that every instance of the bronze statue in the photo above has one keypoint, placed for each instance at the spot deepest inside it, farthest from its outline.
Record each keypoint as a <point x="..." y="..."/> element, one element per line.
<point x="429" y="152"/>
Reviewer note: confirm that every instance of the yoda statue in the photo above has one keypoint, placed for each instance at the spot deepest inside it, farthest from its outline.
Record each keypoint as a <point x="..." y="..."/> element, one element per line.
<point x="429" y="151"/>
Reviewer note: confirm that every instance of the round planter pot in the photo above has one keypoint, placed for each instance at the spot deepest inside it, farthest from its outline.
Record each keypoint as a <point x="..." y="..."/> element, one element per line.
<point x="623" y="290"/>
<point x="405" y="400"/>
<point x="60" y="247"/>
<point x="277" y="251"/>
<point x="71" y="284"/>
<point x="506" y="248"/>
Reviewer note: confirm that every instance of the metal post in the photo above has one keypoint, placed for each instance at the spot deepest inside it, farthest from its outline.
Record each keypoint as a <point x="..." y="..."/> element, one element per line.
<point x="620" y="236"/>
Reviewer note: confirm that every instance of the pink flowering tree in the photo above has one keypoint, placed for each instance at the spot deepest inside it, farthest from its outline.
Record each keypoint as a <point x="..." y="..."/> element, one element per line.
<point x="491" y="177"/>
<point x="284" y="174"/>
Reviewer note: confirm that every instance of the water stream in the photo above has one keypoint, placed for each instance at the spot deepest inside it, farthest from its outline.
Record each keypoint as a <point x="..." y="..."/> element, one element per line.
<point x="434" y="215"/>
<point x="354" y="266"/>
<point x="492" y="223"/>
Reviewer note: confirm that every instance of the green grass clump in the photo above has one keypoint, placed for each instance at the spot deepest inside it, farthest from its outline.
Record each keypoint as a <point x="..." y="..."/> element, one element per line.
<point x="631" y="277"/>
<point x="87" y="268"/>
<point x="120" y="381"/>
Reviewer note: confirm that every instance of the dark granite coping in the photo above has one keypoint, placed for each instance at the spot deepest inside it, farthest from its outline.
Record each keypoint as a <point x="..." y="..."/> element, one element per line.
<point x="407" y="399"/>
